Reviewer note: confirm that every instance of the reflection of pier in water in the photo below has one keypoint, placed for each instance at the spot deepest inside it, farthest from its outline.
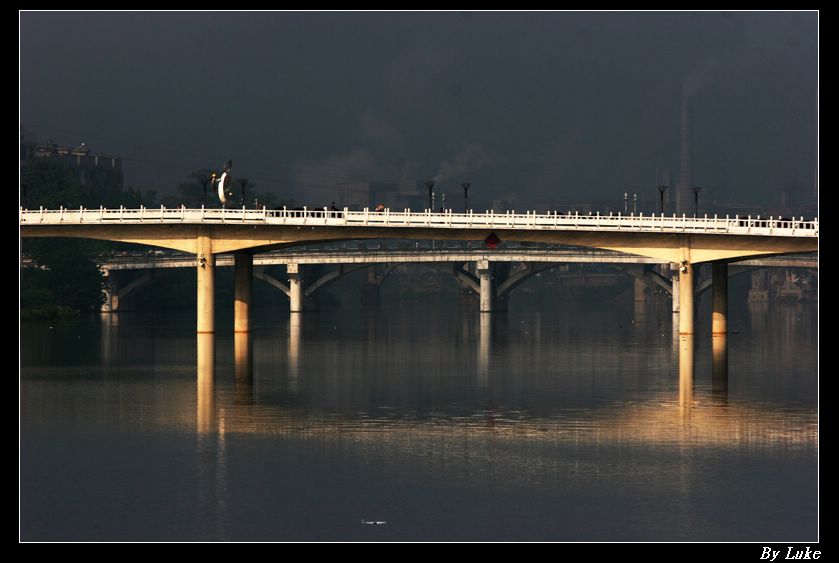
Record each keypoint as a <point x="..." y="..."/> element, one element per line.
<point x="676" y="419"/>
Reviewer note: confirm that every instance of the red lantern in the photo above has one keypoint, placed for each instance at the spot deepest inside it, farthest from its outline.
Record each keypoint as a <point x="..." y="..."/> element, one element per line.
<point x="492" y="241"/>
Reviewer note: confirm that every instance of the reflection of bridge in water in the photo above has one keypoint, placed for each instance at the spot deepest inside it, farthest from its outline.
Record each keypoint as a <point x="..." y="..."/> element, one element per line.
<point x="706" y="419"/>
<point x="277" y="397"/>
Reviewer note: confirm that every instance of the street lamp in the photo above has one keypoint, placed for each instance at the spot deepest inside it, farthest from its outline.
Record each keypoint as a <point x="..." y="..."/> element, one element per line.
<point x="696" y="191"/>
<point x="625" y="203"/>
<point x="244" y="182"/>
<point x="466" y="186"/>
<point x="204" y="182"/>
<point x="661" y="189"/>
<point x="212" y="183"/>
<point x="430" y="185"/>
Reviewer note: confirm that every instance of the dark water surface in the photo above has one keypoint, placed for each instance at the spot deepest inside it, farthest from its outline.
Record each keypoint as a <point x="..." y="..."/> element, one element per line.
<point x="566" y="423"/>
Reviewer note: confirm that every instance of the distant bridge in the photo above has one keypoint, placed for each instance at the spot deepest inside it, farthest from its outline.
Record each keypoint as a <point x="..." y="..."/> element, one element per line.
<point x="348" y="260"/>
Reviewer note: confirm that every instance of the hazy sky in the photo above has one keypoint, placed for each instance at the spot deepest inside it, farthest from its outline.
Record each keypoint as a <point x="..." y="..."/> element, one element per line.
<point x="566" y="106"/>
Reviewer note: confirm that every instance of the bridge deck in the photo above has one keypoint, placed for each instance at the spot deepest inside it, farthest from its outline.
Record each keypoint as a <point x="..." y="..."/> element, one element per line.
<point x="142" y="260"/>
<point x="772" y="226"/>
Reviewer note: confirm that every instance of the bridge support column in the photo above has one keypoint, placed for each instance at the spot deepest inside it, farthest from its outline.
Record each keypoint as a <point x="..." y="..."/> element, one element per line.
<point x="243" y="266"/>
<point x="674" y="292"/>
<point x="640" y="290"/>
<point x="206" y="286"/>
<point x="205" y="326"/>
<point x="719" y="317"/>
<point x="111" y="291"/>
<point x="484" y="271"/>
<point x="295" y="287"/>
<point x="686" y="298"/>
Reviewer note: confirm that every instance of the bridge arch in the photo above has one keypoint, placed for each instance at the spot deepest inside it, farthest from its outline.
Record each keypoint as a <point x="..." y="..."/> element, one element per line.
<point x="116" y="294"/>
<point x="326" y="279"/>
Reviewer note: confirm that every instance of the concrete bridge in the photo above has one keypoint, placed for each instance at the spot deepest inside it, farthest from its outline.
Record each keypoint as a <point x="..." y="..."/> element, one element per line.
<point x="466" y="261"/>
<point x="205" y="233"/>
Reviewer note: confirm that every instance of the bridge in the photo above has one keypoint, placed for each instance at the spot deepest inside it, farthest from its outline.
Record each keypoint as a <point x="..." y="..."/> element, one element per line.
<point x="466" y="260"/>
<point x="205" y="233"/>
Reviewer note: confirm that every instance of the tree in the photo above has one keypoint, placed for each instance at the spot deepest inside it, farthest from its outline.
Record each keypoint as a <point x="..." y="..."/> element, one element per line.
<point x="52" y="184"/>
<point x="67" y="281"/>
<point x="191" y="193"/>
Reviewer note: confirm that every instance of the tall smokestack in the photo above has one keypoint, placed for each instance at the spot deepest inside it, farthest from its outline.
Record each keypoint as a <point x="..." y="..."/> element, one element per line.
<point x="685" y="183"/>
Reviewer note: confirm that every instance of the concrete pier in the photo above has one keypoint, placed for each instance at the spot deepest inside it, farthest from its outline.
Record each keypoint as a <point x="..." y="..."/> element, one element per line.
<point x="206" y="286"/>
<point x="686" y="298"/>
<point x="719" y="317"/>
<point x="243" y="274"/>
<point x="484" y="270"/>
<point x="205" y="345"/>
<point x="640" y="290"/>
<point x="295" y="288"/>
<point x="675" y="291"/>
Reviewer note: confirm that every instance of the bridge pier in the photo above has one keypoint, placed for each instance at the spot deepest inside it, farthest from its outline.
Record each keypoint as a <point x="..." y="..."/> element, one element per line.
<point x="640" y="290"/>
<point x="759" y="290"/>
<point x="719" y="317"/>
<point x="111" y="291"/>
<point x="295" y="287"/>
<point x="686" y="304"/>
<point x="243" y="274"/>
<point x="674" y="292"/>
<point x="484" y="270"/>
<point x="206" y="286"/>
<point x="205" y="346"/>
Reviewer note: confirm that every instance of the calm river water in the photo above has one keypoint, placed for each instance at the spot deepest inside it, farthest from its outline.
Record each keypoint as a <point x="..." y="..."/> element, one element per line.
<point x="561" y="423"/>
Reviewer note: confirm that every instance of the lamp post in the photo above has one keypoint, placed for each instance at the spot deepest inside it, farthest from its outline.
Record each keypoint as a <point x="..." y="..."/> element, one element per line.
<point x="430" y="185"/>
<point x="244" y="182"/>
<point x="635" y="203"/>
<point x="625" y="203"/>
<point x="204" y="182"/>
<point x="212" y="183"/>
<point x="696" y="191"/>
<point x="466" y="186"/>
<point x="661" y="189"/>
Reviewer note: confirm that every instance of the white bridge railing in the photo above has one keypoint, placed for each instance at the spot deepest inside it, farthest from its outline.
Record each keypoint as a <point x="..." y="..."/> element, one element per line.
<point x="740" y="225"/>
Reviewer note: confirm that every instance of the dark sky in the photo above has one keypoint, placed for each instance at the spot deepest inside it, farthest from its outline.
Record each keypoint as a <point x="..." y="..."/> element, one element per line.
<point x="561" y="106"/>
